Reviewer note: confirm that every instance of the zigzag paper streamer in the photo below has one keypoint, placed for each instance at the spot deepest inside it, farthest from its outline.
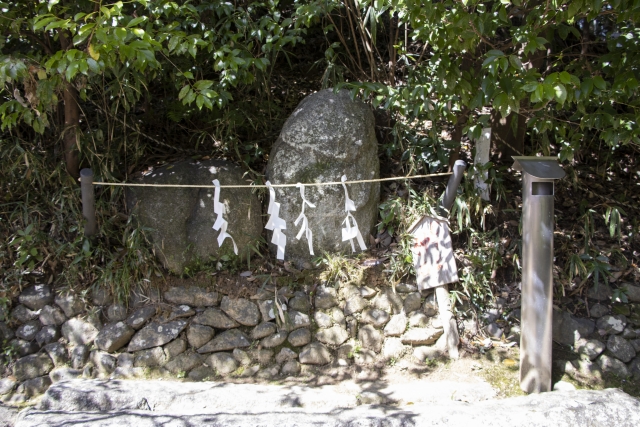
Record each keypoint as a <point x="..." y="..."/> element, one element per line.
<point x="220" y="223"/>
<point x="276" y="223"/>
<point x="349" y="232"/>
<point x="303" y="217"/>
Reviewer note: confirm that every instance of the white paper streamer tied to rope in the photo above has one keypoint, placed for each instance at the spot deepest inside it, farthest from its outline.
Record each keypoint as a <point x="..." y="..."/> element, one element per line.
<point x="349" y="232"/>
<point x="305" y="223"/>
<point x="220" y="223"/>
<point x="276" y="223"/>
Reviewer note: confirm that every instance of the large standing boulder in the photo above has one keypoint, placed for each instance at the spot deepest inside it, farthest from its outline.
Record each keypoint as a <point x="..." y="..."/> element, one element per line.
<point x="327" y="136"/>
<point x="181" y="219"/>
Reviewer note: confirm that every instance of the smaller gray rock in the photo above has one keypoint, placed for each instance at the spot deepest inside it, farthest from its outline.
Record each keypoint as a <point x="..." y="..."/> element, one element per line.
<point x="58" y="353"/>
<point x="388" y="301"/>
<point x="590" y="349"/>
<point x="223" y="363"/>
<point x="7" y="385"/>
<point x="297" y="320"/>
<point x="300" y="337"/>
<point x="633" y="292"/>
<point x="370" y="338"/>
<point x="37" y="296"/>
<point x="50" y="315"/>
<point x="24" y="348"/>
<point x="116" y="312"/>
<point x="620" y="348"/>
<point x="355" y="304"/>
<point x="241" y="356"/>
<point x="392" y="348"/>
<point x="126" y="360"/>
<point x="421" y="336"/>
<point x="274" y="340"/>
<point x="405" y="288"/>
<point x="598" y="310"/>
<point x="47" y="335"/>
<point x="181" y="311"/>
<point x="100" y="296"/>
<point x="365" y="357"/>
<point x="601" y="292"/>
<point x="79" y="332"/>
<point x="286" y="354"/>
<point x="325" y="298"/>
<point x="216" y="318"/>
<point x="612" y="366"/>
<point x="21" y="314"/>
<point x="241" y="310"/>
<point x="322" y="319"/>
<point x="201" y="373"/>
<point x="494" y="331"/>
<point x="79" y="356"/>
<point x="412" y="302"/>
<point x="114" y="336"/>
<point x="34" y="386"/>
<point x="149" y="358"/>
<point x="630" y="333"/>
<point x="6" y="333"/>
<point x="227" y="340"/>
<point x="184" y="362"/>
<point x="174" y="348"/>
<point x="64" y="374"/>
<point x="352" y="326"/>
<point x="156" y="334"/>
<point x="300" y="303"/>
<point x="636" y="345"/>
<point x="374" y="316"/>
<point x="263" y="330"/>
<point x="290" y="367"/>
<point x="28" y="331"/>
<point x="424" y="353"/>
<point x="138" y="318"/>
<point x="263" y="356"/>
<point x="367" y="292"/>
<point x="193" y="296"/>
<point x="430" y="306"/>
<point x="419" y="320"/>
<point x="267" y="310"/>
<point x="337" y="316"/>
<point x="397" y="325"/>
<point x="315" y="354"/>
<point x="612" y="324"/>
<point x="33" y="366"/>
<point x="71" y="304"/>
<point x="199" y="335"/>
<point x="249" y="371"/>
<point x="335" y="335"/>
<point x="104" y="363"/>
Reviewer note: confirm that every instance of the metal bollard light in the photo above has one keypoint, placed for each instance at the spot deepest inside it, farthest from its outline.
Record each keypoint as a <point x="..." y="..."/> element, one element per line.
<point x="88" y="203"/>
<point x="538" y="176"/>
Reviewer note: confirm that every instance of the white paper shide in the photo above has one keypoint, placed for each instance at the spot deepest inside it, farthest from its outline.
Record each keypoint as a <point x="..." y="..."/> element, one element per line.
<point x="221" y="223"/>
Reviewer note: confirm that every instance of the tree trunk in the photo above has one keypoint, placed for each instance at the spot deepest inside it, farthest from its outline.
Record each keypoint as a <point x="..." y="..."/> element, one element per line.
<point x="71" y="119"/>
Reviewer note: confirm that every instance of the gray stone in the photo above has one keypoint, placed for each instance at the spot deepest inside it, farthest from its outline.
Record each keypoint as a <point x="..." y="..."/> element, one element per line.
<point x="354" y="305"/>
<point x="126" y="360"/>
<point x="335" y="335"/>
<point x="296" y="320"/>
<point x="613" y="366"/>
<point x="216" y="318"/>
<point x="184" y="362"/>
<point x="323" y="320"/>
<point x="149" y="358"/>
<point x="636" y="345"/>
<point x="24" y="348"/>
<point x="494" y="331"/>
<point x="405" y="288"/>
<point x="50" y="315"/>
<point x="590" y="349"/>
<point x="337" y="316"/>
<point x="201" y="373"/>
<point x="620" y="348"/>
<point x="267" y="310"/>
<point x="199" y="335"/>
<point x="345" y="352"/>
<point x="64" y="374"/>
<point x="421" y="336"/>
<point x="325" y="298"/>
<point x="37" y="296"/>
<point x="34" y="386"/>
<point x="300" y="337"/>
<point x="424" y="353"/>
<point x="127" y="373"/>
<point x="100" y="296"/>
<point x="352" y="326"/>
<point x="6" y="333"/>
<point x="47" y="335"/>
<point x="392" y="348"/>
<point x="412" y="302"/>
<point x="633" y="292"/>
<point x="104" y="363"/>
<point x="568" y="329"/>
<point x="138" y="318"/>
<point x="156" y="334"/>
<point x="630" y="333"/>
<point x="241" y="310"/>
<point x="419" y="320"/>
<point x="388" y="301"/>
<point x="634" y="368"/>
<point x="249" y="371"/>
<point x="77" y="331"/>
<point x="114" y="336"/>
<point x="35" y="365"/>
<point x="174" y="348"/>
<point x="315" y="354"/>
<point x="181" y="218"/>
<point x="29" y="330"/>
<point x="326" y="135"/>
<point x="241" y="356"/>
<point x="286" y="354"/>
<point x="430" y="306"/>
<point x="21" y="314"/>
<point x="58" y="353"/>
<point x="71" y="304"/>
<point x="601" y="292"/>
<point x="181" y="311"/>
<point x="274" y="340"/>
<point x="223" y="363"/>
<point x="227" y="340"/>
<point x="79" y="356"/>
<point x="612" y="324"/>
<point x="7" y="385"/>
<point x="598" y="310"/>
<point x="192" y="296"/>
<point x="397" y="325"/>
<point x="290" y="367"/>
<point x="365" y="357"/>
<point x="374" y="316"/>
<point x="263" y="356"/>
<point x="367" y="292"/>
<point x="263" y="330"/>
<point x="116" y="312"/>
<point x="370" y="338"/>
<point x="300" y="303"/>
